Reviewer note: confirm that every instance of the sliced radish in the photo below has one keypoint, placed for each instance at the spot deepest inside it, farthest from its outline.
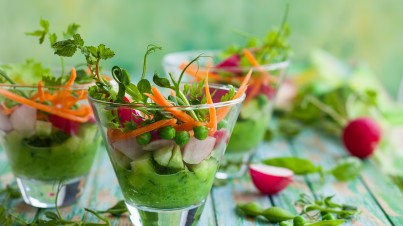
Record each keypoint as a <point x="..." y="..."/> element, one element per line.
<point x="5" y="123"/>
<point x="128" y="147"/>
<point x="158" y="144"/>
<point x="197" y="150"/>
<point x="361" y="137"/>
<point x="66" y="125"/>
<point x="23" y="120"/>
<point x="270" y="179"/>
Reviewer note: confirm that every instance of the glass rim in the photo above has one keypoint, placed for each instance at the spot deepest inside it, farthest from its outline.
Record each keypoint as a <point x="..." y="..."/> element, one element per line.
<point x="182" y="107"/>
<point x="25" y="86"/>
<point x="269" y="67"/>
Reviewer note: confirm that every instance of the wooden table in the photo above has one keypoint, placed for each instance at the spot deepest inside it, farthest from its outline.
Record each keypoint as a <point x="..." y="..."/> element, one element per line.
<point x="379" y="199"/>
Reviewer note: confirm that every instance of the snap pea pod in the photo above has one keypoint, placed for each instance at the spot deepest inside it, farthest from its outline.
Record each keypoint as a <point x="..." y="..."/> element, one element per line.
<point x="277" y="214"/>
<point x="327" y="223"/>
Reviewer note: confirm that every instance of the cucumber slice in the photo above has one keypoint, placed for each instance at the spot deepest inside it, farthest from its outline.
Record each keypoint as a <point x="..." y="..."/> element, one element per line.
<point x="43" y="128"/>
<point x="205" y="169"/>
<point x="176" y="161"/>
<point x="163" y="155"/>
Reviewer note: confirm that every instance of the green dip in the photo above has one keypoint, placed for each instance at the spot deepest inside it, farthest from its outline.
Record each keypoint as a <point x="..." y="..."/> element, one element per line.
<point x="145" y="183"/>
<point x="62" y="160"/>
<point x="250" y="128"/>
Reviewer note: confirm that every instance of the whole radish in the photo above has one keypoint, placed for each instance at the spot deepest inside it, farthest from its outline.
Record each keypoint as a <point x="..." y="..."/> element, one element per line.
<point x="361" y="137"/>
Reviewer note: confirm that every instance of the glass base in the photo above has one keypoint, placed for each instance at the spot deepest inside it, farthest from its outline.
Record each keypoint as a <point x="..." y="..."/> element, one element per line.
<point x="143" y="216"/>
<point x="234" y="165"/>
<point x="42" y="194"/>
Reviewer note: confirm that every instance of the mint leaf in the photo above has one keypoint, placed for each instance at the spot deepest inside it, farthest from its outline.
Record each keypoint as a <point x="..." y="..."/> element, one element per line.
<point x="104" y="52"/>
<point x="71" y="30"/>
<point x="65" y="48"/>
<point x="78" y="40"/>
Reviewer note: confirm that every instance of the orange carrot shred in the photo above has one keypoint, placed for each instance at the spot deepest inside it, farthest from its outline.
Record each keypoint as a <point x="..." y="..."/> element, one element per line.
<point x="222" y="112"/>
<point x="161" y="101"/>
<point x="249" y="56"/>
<point x="46" y="108"/>
<point x="40" y="91"/>
<point x="117" y="135"/>
<point x="212" y="111"/>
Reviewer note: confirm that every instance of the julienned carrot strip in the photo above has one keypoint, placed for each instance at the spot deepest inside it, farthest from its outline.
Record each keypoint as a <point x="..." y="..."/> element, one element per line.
<point x="212" y="112"/>
<point x="249" y="56"/>
<point x="255" y="89"/>
<point x="222" y="112"/>
<point x="188" y="125"/>
<point x="160" y="100"/>
<point x="117" y="135"/>
<point x="43" y="107"/>
<point x="179" y="114"/>
<point x="72" y="78"/>
<point x="198" y="74"/>
<point x="40" y="91"/>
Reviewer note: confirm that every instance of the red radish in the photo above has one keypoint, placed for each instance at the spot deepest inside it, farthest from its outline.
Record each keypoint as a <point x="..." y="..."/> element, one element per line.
<point x="361" y="137"/>
<point x="66" y="125"/>
<point x="232" y="61"/>
<point x="196" y="150"/>
<point x="270" y="179"/>
<point x="23" y="119"/>
<point x="126" y="114"/>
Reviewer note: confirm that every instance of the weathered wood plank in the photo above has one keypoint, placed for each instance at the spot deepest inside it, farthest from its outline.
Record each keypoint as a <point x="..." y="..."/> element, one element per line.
<point x="385" y="191"/>
<point x="326" y="152"/>
<point x="286" y="198"/>
<point x="226" y="197"/>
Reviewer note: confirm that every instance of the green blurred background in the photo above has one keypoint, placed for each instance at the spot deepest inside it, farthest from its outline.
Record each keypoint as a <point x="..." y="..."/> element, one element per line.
<point x="361" y="30"/>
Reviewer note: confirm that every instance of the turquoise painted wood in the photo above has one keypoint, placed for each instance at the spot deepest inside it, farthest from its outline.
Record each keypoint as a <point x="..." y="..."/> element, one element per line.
<point x="377" y="197"/>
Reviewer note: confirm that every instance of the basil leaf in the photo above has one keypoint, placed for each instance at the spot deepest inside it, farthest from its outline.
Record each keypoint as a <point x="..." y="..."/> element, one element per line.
<point x="299" y="166"/>
<point x="347" y="169"/>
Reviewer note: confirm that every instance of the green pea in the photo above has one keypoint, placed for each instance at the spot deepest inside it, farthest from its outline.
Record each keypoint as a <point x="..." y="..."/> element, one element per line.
<point x="277" y="214"/>
<point x="222" y="124"/>
<point x="182" y="137"/>
<point x="167" y="132"/>
<point x="298" y="221"/>
<point x="144" y="138"/>
<point x="201" y="132"/>
<point x="327" y="217"/>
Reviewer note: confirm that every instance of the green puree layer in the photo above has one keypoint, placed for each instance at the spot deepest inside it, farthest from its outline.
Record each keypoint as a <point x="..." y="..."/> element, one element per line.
<point x="247" y="134"/>
<point x="250" y="128"/>
<point x="70" y="159"/>
<point x="142" y="185"/>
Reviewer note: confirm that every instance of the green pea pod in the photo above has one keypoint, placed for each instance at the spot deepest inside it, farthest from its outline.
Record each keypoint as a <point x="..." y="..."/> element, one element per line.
<point x="327" y="223"/>
<point x="277" y="214"/>
<point x="251" y="209"/>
